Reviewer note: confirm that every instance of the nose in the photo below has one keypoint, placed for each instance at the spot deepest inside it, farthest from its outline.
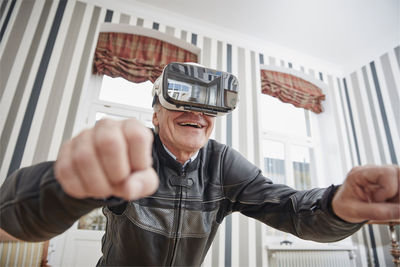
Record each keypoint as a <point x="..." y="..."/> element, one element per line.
<point x="197" y="113"/>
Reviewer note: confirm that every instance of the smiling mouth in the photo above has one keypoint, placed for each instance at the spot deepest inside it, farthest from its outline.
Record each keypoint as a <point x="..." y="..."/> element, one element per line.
<point x="191" y="124"/>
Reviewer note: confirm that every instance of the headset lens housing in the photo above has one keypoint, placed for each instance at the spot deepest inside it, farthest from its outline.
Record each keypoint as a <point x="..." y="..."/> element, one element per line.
<point x="192" y="87"/>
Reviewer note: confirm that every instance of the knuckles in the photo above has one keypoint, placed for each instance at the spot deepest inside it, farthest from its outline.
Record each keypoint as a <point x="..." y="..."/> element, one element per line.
<point x="357" y="170"/>
<point x="81" y="156"/>
<point x="105" y="123"/>
<point x="135" y="132"/>
<point x="108" y="141"/>
<point x="108" y="137"/>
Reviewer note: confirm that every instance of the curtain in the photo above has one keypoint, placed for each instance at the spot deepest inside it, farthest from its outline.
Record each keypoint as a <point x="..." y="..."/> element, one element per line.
<point x="292" y="89"/>
<point x="134" y="57"/>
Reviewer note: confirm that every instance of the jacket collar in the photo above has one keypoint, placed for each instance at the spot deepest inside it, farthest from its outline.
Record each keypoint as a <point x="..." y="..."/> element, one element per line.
<point x="192" y="158"/>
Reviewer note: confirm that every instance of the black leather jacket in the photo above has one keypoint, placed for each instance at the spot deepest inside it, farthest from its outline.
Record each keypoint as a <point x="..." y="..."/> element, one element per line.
<point x="177" y="224"/>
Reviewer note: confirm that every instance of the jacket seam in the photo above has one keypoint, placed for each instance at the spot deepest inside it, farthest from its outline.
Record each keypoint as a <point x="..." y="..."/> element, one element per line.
<point x="274" y="201"/>
<point x="45" y="183"/>
<point x="27" y="196"/>
<point x="191" y="199"/>
<point x="20" y="199"/>
<point x="167" y="234"/>
<point x="294" y="202"/>
<point x="222" y="172"/>
<point x="147" y="228"/>
<point x="242" y="182"/>
<point x="243" y="202"/>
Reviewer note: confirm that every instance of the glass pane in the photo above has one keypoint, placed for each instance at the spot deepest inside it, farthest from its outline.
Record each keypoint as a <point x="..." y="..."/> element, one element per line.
<point x="301" y="167"/>
<point x="282" y="117"/>
<point x="274" y="161"/>
<point x="94" y="220"/>
<point x="121" y="91"/>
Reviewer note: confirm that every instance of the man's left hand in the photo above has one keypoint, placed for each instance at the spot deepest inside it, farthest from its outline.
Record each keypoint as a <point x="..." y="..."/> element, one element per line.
<point x="369" y="193"/>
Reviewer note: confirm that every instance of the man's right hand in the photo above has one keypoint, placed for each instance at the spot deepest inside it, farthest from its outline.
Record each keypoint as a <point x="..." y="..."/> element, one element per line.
<point x="111" y="159"/>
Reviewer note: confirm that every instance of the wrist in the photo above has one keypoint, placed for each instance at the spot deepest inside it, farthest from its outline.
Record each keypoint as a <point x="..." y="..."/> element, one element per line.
<point x="339" y="208"/>
<point x="332" y="203"/>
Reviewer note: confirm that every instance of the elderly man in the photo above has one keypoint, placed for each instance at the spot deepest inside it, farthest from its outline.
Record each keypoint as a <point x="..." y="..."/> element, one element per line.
<point x="165" y="193"/>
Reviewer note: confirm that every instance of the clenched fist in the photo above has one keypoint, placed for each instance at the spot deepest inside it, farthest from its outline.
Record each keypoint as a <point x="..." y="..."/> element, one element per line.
<point x="111" y="159"/>
<point x="369" y="193"/>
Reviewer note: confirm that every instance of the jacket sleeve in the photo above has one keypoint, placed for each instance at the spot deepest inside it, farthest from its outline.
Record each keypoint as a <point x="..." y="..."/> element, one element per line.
<point x="307" y="214"/>
<point x="33" y="206"/>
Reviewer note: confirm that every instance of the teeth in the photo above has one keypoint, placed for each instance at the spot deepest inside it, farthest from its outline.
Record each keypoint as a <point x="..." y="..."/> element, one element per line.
<point x="190" y="124"/>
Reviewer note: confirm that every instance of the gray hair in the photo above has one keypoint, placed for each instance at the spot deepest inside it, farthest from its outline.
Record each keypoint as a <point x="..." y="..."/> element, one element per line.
<point x="156" y="108"/>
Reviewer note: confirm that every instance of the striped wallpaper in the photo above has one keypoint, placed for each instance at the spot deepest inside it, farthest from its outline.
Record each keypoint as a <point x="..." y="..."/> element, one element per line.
<point x="46" y="49"/>
<point x="370" y="100"/>
<point x="21" y="254"/>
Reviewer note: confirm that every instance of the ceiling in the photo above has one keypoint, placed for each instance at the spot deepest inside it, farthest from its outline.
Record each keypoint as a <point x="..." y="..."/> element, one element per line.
<point x="347" y="33"/>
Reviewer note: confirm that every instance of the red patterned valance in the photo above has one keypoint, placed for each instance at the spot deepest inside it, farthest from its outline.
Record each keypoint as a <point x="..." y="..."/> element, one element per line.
<point x="292" y="89"/>
<point x="134" y="57"/>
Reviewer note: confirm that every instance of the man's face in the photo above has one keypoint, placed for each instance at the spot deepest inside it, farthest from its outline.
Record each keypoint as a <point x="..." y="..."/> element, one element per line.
<point x="182" y="131"/>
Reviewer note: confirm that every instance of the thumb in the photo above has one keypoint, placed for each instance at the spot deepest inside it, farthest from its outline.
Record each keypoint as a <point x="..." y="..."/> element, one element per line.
<point x="357" y="212"/>
<point x="139" y="184"/>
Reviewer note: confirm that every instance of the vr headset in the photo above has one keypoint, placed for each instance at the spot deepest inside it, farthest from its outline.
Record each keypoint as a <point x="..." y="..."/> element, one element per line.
<point x="192" y="87"/>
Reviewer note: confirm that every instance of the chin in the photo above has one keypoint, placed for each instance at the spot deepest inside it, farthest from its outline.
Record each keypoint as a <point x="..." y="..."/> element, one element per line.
<point x="194" y="145"/>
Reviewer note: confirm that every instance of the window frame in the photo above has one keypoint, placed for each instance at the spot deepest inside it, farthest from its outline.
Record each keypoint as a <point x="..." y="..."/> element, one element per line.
<point x="270" y="235"/>
<point x="311" y="141"/>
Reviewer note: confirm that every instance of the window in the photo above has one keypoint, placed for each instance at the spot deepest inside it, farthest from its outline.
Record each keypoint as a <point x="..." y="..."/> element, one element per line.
<point x="301" y="167"/>
<point x="274" y="160"/>
<point x="287" y="148"/>
<point x="287" y="143"/>
<point x="122" y="99"/>
<point x="282" y="118"/>
<point x="121" y="91"/>
<point x="290" y="142"/>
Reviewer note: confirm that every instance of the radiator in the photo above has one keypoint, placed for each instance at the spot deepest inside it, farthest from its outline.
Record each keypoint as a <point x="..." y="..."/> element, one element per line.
<point x="311" y="258"/>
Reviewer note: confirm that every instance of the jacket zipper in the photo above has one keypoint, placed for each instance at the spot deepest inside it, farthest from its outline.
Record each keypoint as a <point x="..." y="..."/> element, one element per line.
<point x="183" y="174"/>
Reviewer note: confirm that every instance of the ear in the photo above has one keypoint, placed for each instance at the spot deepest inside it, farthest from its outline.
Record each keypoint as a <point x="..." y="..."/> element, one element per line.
<point x="155" y="119"/>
